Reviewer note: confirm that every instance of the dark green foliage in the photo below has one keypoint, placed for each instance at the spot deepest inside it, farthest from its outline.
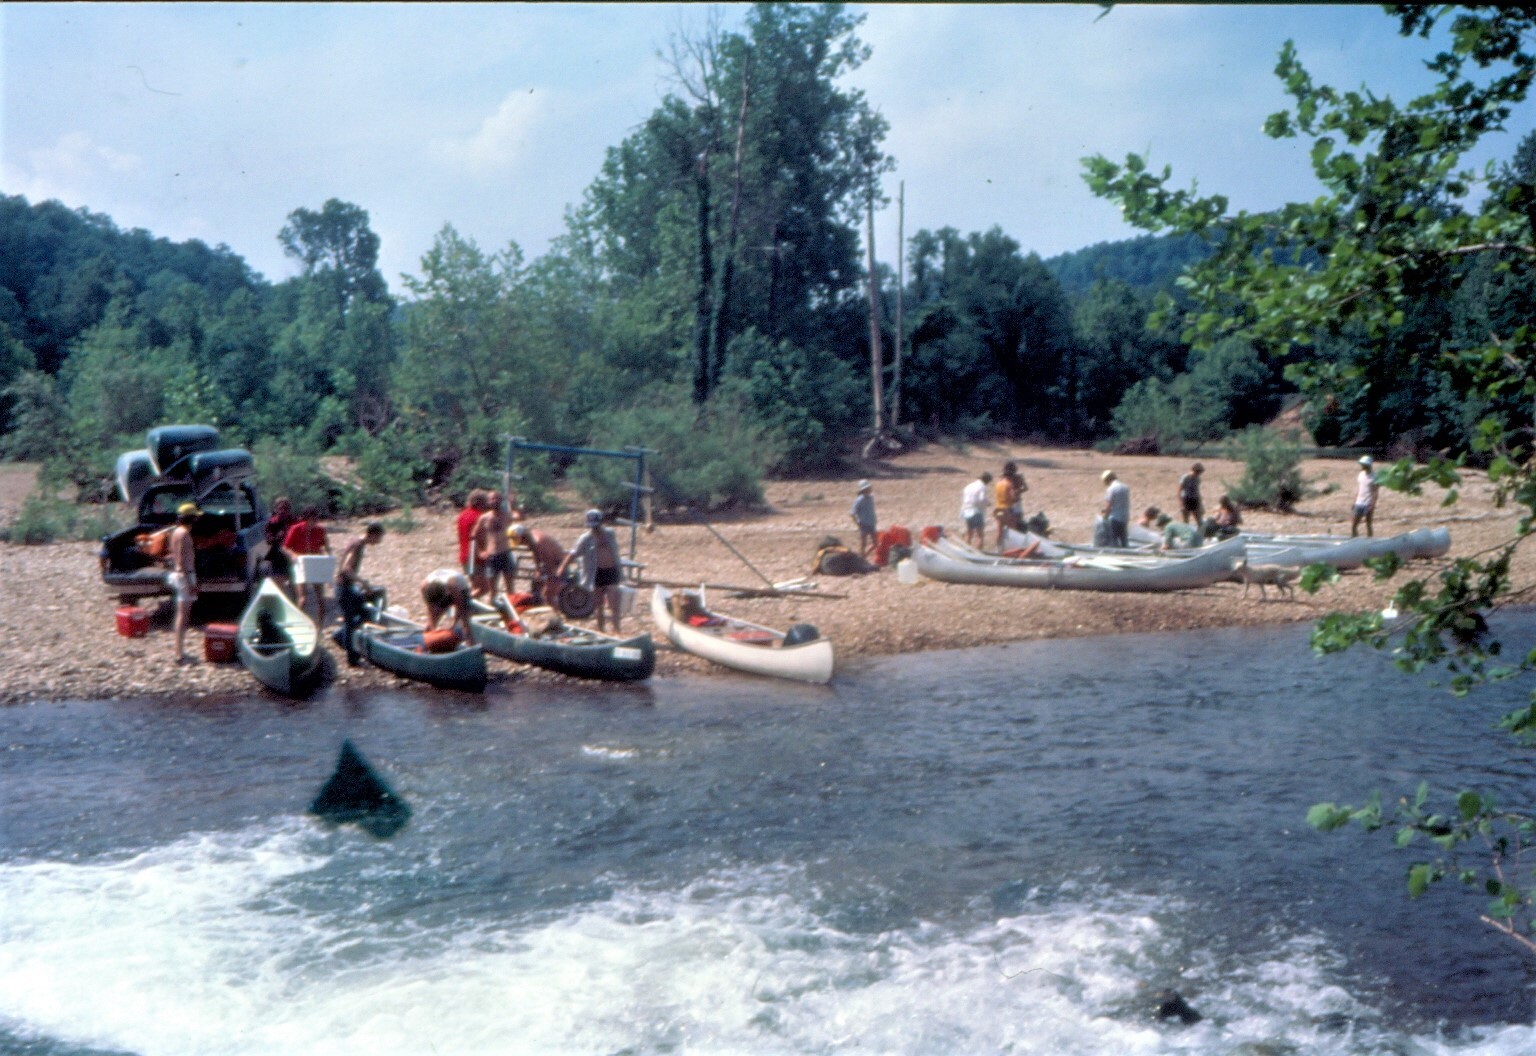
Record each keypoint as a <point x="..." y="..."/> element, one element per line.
<point x="707" y="457"/>
<point x="44" y="519"/>
<point x="991" y="336"/>
<point x="1147" y="264"/>
<point x="809" y="405"/>
<point x="1227" y="386"/>
<point x="37" y="412"/>
<point x="292" y="473"/>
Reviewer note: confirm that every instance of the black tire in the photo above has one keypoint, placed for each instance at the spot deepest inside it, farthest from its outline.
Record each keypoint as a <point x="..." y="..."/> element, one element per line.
<point x="576" y="602"/>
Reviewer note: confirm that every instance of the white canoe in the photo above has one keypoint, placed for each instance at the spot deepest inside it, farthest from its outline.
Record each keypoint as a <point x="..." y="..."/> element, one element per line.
<point x="278" y="642"/>
<point x="1120" y="572"/>
<point x="744" y="646"/>
<point x="1342" y="552"/>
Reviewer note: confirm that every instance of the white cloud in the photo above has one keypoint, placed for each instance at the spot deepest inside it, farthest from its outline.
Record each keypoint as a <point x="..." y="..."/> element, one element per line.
<point x="71" y="166"/>
<point x="503" y="140"/>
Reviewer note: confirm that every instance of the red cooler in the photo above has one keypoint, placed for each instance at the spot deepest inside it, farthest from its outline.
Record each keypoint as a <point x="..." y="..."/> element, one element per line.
<point x="132" y="621"/>
<point x="219" y="642"/>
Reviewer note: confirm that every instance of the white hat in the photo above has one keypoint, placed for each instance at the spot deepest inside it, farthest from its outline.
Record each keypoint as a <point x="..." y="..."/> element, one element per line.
<point x="1366" y="460"/>
<point x="1107" y="476"/>
<point x="865" y="485"/>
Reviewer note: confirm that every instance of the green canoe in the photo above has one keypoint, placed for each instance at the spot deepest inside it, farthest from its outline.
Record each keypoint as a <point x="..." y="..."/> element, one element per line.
<point x="574" y="651"/>
<point x="278" y="643"/>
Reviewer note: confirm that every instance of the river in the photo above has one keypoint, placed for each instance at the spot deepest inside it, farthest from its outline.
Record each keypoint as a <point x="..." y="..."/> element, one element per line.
<point x="1002" y="850"/>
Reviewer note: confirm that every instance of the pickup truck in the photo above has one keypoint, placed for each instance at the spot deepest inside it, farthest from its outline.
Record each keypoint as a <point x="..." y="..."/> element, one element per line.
<point x="184" y="463"/>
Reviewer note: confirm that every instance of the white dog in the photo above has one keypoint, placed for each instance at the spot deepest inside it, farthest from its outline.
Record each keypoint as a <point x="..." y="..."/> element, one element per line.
<point x="1265" y="576"/>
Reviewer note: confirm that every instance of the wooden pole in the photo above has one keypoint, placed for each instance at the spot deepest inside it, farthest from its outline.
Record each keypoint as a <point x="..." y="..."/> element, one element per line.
<point x="901" y="260"/>
<point x="876" y="353"/>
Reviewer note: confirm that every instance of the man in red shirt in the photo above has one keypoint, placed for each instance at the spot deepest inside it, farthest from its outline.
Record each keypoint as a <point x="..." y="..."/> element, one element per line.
<point x="306" y="537"/>
<point x="469" y="516"/>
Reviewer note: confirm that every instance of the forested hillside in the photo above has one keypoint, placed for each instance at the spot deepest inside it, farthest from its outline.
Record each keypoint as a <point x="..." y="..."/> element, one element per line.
<point x="709" y="299"/>
<point x="1150" y="262"/>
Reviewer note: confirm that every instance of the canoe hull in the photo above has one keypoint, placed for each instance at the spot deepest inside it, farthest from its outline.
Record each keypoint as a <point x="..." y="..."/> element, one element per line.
<point x="293" y="669"/>
<point x="810" y="661"/>
<point x="587" y="655"/>
<point x="1129" y="574"/>
<point x="463" y="669"/>
<point x="1345" y="552"/>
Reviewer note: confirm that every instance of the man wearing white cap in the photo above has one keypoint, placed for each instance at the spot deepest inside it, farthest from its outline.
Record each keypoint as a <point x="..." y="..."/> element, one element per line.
<point x="1366" y="487"/>
<point x="863" y="513"/>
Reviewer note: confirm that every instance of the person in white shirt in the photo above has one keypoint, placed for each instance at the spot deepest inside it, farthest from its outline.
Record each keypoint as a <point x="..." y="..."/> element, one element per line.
<point x="974" y="503"/>
<point x="1366" y="487"/>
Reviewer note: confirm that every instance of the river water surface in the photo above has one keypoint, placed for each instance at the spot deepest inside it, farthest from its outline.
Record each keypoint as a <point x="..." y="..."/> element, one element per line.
<point x="1002" y="850"/>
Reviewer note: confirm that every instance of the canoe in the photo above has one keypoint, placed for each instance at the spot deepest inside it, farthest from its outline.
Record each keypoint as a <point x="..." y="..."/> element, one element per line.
<point x="279" y="643"/>
<point x="740" y="645"/>
<point x="1342" y="551"/>
<point x="575" y="651"/>
<point x="393" y="644"/>
<point x="1117" y="572"/>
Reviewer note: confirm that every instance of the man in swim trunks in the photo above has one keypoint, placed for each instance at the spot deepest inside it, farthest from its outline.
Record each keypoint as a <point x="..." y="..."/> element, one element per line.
<point x="182" y="578"/>
<point x="493" y="554"/>
<point x="547" y="558"/>
<point x="598" y="551"/>
<point x="469" y="516"/>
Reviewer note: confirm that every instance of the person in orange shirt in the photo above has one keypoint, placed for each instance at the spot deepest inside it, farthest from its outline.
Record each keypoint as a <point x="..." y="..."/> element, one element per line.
<point x="1008" y="502"/>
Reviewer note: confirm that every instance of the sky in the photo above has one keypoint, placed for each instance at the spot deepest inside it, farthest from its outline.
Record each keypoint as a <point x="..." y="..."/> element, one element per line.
<point x="215" y="121"/>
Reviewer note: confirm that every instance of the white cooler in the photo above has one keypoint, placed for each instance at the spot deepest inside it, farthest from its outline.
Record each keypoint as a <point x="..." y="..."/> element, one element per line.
<point x="314" y="568"/>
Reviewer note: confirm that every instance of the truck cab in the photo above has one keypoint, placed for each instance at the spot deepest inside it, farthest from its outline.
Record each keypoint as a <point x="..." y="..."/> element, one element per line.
<point x="185" y="464"/>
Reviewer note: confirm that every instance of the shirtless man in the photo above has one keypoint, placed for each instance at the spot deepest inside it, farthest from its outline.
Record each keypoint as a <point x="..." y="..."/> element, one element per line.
<point x="493" y="554"/>
<point x="547" y="556"/>
<point x="353" y="592"/>
<point x="444" y="589"/>
<point x="182" y="578"/>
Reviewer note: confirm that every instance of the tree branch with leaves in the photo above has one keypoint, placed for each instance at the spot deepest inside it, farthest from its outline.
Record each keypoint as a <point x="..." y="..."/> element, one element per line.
<point x="1403" y="222"/>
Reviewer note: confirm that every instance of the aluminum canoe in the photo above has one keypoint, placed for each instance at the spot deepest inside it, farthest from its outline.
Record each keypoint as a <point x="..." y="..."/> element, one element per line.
<point x="743" y="646"/>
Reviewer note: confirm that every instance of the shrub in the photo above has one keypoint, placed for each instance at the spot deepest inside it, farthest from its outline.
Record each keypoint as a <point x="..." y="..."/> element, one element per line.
<point x="802" y="399"/>
<point x="44" y="520"/>
<point x="711" y="457"/>
<point x="292" y="473"/>
<point x="1271" y="471"/>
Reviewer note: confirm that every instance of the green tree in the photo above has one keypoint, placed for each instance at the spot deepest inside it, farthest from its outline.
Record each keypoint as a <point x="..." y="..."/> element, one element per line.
<point x="463" y="381"/>
<point x="337" y="245"/>
<point x="735" y="205"/>
<point x="1398" y="220"/>
<point x="991" y="337"/>
<point x="340" y="255"/>
<point x="1117" y="349"/>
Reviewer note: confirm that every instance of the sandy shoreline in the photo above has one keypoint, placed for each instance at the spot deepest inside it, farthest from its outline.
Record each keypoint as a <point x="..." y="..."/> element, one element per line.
<point x="59" y="629"/>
